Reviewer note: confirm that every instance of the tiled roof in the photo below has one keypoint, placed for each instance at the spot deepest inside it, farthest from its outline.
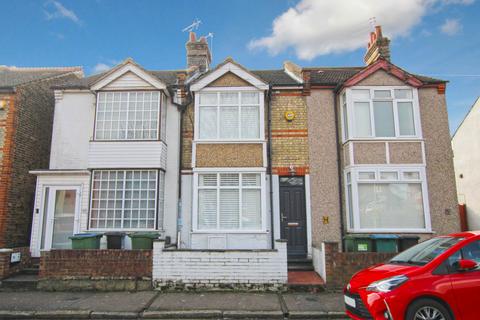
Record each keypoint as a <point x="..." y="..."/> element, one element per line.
<point x="331" y="75"/>
<point x="328" y="76"/>
<point x="14" y="76"/>
<point x="275" y="77"/>
<point x="167" y="77"/>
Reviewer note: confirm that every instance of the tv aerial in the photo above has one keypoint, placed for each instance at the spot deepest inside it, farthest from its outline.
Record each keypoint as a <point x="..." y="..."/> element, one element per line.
<point x="194" y="26"/>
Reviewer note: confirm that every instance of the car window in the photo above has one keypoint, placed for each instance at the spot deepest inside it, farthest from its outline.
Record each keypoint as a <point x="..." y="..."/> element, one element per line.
<point x="472" y="252"/>
<point x="469" y="252"/>
<point x="425" y="252"/>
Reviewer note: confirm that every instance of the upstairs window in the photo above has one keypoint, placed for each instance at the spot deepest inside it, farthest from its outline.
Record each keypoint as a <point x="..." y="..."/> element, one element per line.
<point x="229" y="116"/>
<point x="127" y="115"/>
<point x="382" y="112"/>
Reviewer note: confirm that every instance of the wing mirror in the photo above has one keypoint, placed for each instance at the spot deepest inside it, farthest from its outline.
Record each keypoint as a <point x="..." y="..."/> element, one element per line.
<point x="466" y="265"/>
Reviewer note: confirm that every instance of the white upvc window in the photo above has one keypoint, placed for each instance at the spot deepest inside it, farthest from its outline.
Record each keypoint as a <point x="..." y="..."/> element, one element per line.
<point x="124" y="199"/>
<point x="229" y="115"/>
<point x="131" y="115"/>
<point x="380" y="112"/>
<point x="229" y="201"/>
<point x="387" y="199"/>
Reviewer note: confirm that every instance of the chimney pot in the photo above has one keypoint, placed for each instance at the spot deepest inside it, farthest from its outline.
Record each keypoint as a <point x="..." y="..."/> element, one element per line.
<point x="192" y="37"/>
<point x="378" y="47"/>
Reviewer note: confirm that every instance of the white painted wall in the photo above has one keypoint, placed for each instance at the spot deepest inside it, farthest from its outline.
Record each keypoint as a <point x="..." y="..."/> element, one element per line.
<point x="72" y="130"/>
<point x="210" y="268"/>
<point x="127" y="154"/>
<point x="172" y="171"/>
<point x="57" y="179"/>
<point x="466" y="150"/>
<point x="128" y="80"/>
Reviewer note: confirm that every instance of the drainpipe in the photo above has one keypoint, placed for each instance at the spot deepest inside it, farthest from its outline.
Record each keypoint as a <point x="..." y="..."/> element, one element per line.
<point x="339" y="168"/>
<point x="182" y="107"/>
<point x="269" y="163"/>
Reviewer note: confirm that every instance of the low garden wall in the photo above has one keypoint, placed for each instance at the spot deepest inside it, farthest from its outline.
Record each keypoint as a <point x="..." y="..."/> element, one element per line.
<point x="108" y="270"/>
<point x="7" y="268"/>
<point x="223" y="269"/>
<point x="338" y="267"/>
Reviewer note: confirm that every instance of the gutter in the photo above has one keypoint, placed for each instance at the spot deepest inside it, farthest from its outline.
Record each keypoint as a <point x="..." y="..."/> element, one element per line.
<point x="269" y="164"/>
<point x="339" y="168"/>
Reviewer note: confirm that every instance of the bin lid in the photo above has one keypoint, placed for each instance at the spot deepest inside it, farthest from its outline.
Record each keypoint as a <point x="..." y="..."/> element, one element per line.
<point x="384" y="236"/>
<point x="80" y="236"/>
<point x="356" y="236"/>
<point x="151" y="235"/>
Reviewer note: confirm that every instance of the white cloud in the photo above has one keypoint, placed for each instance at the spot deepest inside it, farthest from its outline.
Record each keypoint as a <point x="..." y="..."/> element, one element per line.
<point x="319" y="27"/>
<point x="451" y="27"/>
<point x="101" y="67"/>
<point x="56" y="10"/>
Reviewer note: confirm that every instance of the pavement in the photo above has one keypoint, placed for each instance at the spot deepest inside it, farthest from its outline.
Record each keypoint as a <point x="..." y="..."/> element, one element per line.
<point x="171" y="305"/>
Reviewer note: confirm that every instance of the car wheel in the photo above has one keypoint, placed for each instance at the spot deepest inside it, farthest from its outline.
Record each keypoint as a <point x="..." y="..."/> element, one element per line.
<point x="428" y="309"/>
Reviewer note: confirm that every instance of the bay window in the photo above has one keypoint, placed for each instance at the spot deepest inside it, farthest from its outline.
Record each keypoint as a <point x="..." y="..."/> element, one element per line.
<point x="229" y="201"/>
<point x="127" y="115"/>
<point x="381" y="112"/>
<point x="124" y="199"/>
<point x="229" y="115"/>
<point x="387" y="199"/>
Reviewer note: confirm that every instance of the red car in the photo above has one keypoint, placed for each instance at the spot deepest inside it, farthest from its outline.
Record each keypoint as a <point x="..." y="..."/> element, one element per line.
<point x="438" y="279"/>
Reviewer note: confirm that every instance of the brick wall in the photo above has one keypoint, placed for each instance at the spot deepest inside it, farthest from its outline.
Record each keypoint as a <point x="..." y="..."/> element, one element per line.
<point x="187" y="136"/>
<point x="219" y="268"/>
<point x="341" y="266"/>
<point x="289" y="138"/>
<point x="60" y="264"/>
<point x="28" y="131"/>
<point x="7" y="268"/>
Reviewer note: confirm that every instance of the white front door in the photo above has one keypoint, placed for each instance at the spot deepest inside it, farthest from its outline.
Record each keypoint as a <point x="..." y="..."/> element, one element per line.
<point x="61" y="216"/>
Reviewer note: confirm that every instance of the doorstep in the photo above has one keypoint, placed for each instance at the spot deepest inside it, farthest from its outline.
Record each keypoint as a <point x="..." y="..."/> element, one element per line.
<point x="305" y="281"/>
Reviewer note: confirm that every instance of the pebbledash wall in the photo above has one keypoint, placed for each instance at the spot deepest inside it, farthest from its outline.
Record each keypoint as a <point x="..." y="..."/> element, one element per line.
<point x="192" y="269"/>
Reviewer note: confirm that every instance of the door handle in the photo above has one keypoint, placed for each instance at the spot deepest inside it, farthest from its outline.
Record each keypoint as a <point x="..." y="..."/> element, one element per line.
<point x="282" y="217"/>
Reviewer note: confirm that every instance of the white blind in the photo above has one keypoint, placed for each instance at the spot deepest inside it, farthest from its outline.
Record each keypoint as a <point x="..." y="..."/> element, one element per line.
<point x="251" y="211"/>
<point x="250" y="124"/>
<point x="207" y="209"/>
<point x="229" y="209"/>
<point x="208" y="122"/>
<point x="228" y="122"/>
<point x="239" y="203"/>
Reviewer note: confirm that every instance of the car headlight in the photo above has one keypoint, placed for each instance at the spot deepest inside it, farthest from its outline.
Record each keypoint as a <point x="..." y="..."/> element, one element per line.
<point x="388" y="284"/>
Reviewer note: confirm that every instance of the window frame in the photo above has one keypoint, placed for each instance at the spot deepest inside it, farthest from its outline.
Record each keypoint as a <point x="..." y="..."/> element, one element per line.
<point x="157" y="201"/>
<point x="348" y="121"/>
<point x="238" y="90"/>
<point x="351" y="178"/>
<point x="218" y="171"/>
<point x="159" y="119"/>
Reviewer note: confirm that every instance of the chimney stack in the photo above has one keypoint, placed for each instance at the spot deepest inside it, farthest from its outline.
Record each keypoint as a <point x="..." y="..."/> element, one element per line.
<point x="198" y="53"/>
<point x="378" y="47"/>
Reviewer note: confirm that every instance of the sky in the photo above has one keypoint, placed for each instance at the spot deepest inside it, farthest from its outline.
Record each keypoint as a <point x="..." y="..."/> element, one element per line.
<point x="438" y="38"/>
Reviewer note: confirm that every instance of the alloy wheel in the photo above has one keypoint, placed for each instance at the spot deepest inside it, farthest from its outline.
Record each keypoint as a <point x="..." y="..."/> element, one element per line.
<point x="429" y="313"/>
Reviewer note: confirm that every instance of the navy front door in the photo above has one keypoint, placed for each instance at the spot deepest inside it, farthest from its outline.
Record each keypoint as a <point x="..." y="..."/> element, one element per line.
<point x="293" y="220"/>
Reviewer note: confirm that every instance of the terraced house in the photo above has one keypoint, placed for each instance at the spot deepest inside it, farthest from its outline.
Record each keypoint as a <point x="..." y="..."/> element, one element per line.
<point x="247" y="172"/>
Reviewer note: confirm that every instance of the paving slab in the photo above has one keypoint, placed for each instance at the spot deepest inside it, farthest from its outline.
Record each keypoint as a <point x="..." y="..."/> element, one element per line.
<point x="41" y="301"/>
<point x="115" y="301"/>
<point x="224" y="301"/>
<point x="319" y="302"/>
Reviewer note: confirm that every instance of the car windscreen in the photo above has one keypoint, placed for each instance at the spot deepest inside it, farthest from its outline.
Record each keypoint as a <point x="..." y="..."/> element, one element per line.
<point x="425" y="252"/>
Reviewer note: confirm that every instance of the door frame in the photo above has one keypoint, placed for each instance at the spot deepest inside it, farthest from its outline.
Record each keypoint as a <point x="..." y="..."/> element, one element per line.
<point x="50" y="215"/>
<point x="308" y="217"/>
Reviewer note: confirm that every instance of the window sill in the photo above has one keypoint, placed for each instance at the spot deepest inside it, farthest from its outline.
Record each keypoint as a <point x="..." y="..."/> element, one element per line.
<point x="405" y="231"/>
<point x="383" y="139"/>
<point x="230" y="232"/>
<point x="231" y="141"/>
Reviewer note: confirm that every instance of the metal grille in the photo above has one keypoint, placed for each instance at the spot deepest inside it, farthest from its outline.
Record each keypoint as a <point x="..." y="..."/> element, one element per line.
<point x="361" y="310"/>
